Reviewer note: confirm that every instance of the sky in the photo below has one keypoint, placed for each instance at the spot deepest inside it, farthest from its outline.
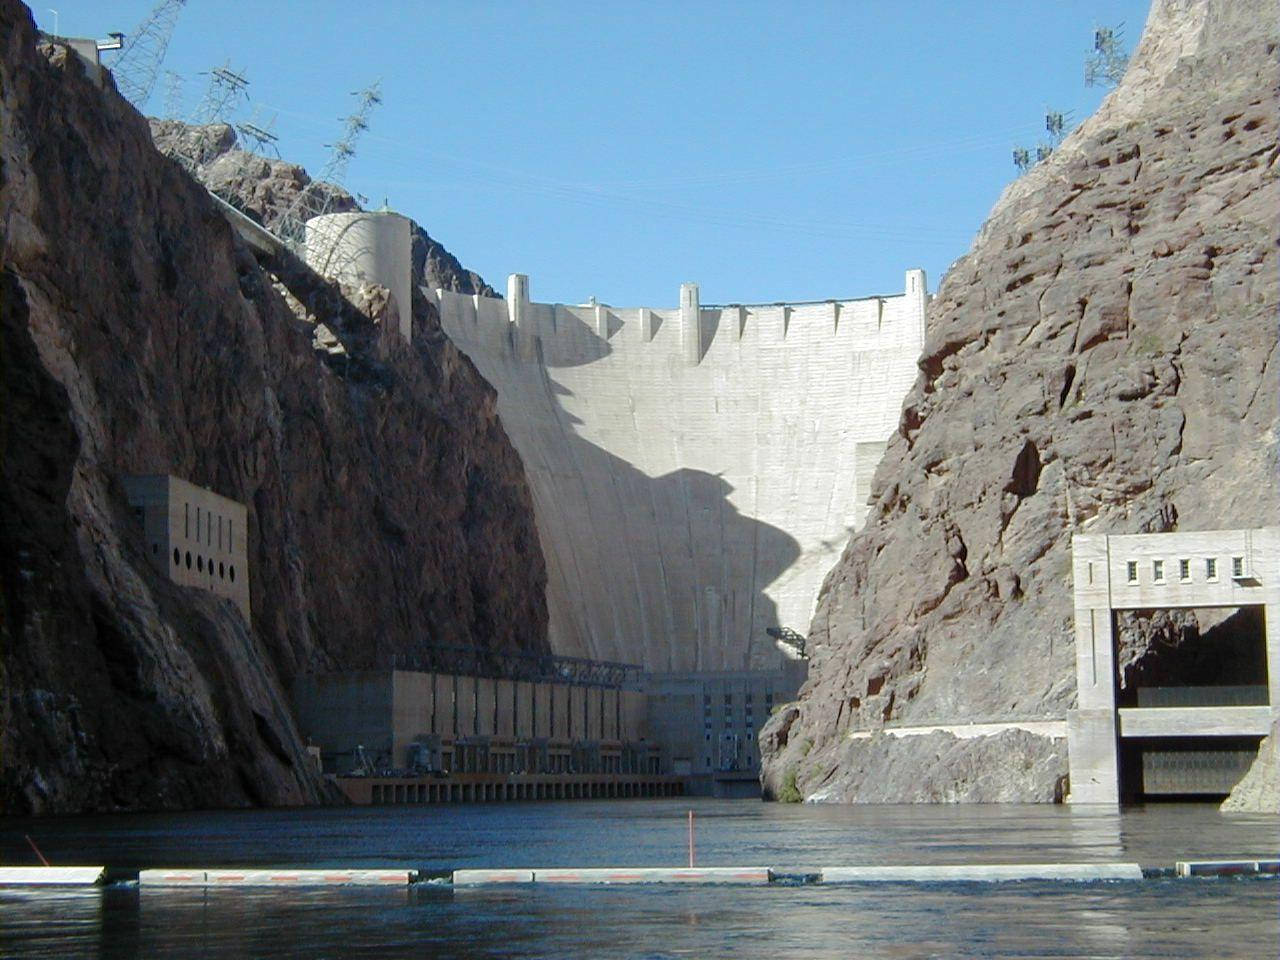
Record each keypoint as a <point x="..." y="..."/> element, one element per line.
<point x="767" y="151"/>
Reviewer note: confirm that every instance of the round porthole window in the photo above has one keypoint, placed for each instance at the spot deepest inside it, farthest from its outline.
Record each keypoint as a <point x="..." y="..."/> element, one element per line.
<point x="188" y="559"/>
<point x="222" y="570"/>
<point x="200" y="564"/>
<point x="177" y="557"/>
<point x="232" y="573"/>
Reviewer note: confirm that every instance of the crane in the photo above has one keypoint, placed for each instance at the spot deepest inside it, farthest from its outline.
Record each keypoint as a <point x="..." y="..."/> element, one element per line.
<point x="138" y="63"/>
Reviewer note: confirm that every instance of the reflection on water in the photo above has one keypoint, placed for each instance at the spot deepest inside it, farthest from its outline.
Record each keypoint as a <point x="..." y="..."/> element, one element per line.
<point x="1218" y="918"/>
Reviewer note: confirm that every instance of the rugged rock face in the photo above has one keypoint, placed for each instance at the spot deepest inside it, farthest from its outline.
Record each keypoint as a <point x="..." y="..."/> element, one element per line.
<point x="1259" y="791"/>
<point x="264" y="188"/>
<point x="1104" y="358"/>
<point x="387" y="511"/>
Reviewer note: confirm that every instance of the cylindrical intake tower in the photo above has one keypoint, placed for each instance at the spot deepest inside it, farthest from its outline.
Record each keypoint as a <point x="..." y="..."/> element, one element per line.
<point x="371" y="247"/>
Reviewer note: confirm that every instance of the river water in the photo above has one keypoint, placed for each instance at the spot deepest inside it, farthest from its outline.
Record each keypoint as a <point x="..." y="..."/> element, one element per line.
<point x="1150" y="918"/>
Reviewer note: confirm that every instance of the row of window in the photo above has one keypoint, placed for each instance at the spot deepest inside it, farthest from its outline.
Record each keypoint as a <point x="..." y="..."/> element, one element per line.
<point x="205" y="520"/>
<point x="1184" y="570"/>
<point x="728" y="699"/>
<point x="224" y="571"/>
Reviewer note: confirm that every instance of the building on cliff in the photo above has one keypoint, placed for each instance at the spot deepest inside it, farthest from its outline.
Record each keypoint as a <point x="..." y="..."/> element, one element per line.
<point x="195" y="537"/>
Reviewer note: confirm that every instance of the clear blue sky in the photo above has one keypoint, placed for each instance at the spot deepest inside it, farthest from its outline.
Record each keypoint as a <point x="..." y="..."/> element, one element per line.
<point x="768" y="151"/>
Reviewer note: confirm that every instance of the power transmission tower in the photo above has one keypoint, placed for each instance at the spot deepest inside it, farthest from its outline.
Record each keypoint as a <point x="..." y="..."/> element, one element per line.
<point x="261" y="135"/>
<point x="312" y="201"/>
<point x="172" y="96"/>
<point x="136" y="66"/>
<point x="1056" y="123"/>
<point x="226" y="87"/>
<point x="1107" y="64"/>
<point x="1022" y="159"/>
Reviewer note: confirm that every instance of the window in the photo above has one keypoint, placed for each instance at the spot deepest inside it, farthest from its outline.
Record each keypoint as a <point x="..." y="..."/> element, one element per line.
<point x="1237" y="568"/>
<point x="197" y="524"/>
<point x="1157" y="571"/>
<point x="200" y="564"/>
<point x="1211" y="568"/>
<point x="728" y="699"/>
<point x="222" y="570"/>
<point x="186" y="520"/>
<point x="748" y="697"/>
<point x="231" y="573"/>
<point x="1184" y="569"/>
<point x="230" y="537"/>
<point x="1131" y="569"/>
<point x="177" y="557"/>
<point x="188" y="559"/>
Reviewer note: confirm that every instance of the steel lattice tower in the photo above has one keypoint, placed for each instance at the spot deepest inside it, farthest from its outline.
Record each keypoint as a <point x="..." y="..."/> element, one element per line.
<point x="138" y="63"/>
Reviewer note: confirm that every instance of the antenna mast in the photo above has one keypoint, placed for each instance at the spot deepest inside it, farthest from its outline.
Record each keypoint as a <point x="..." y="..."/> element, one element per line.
<point x="138" y="63"/>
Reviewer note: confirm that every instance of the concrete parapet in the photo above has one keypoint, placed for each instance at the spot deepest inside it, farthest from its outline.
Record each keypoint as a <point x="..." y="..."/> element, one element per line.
<point x="274" y="878"/>
<point x="51" y="876"/>
<point x="982" y="872"/>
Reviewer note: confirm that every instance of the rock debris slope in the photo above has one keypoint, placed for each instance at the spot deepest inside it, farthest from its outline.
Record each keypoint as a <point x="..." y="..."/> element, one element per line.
<point x="1103" y="358"/>
<point x="387" y="511"/>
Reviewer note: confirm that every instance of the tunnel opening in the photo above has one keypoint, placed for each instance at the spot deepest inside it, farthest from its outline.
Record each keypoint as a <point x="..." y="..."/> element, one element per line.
<point x="1180" y="657"/>
<point x="1197" y="658"/>
<point x="1183" y="769"/>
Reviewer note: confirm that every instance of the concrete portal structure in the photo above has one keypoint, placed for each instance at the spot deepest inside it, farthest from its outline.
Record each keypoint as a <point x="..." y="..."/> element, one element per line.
<point x="1218" y="733"/>
<point x="194" y="536"/>
<point x="695" y="470"/>
<point x="366" y="247"/>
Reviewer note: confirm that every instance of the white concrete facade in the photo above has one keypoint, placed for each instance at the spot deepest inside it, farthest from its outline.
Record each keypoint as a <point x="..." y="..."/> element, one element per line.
<point x="366" y="247"/>
<point x="1212" y="568"/>
<point x="194" y="536"/>
<point x="695" y="470"/>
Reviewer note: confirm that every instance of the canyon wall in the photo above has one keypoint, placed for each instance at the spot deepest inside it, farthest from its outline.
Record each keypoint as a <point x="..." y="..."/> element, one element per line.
<point x="387" y="511"/>
<point x="1104" y="359"/>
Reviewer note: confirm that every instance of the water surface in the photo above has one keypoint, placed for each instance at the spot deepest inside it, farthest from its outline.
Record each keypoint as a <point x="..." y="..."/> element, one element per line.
<point x="1152" y="918"/>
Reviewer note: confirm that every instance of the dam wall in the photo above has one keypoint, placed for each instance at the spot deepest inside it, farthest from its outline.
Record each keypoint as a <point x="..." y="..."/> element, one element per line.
<point x="696" y="470"/>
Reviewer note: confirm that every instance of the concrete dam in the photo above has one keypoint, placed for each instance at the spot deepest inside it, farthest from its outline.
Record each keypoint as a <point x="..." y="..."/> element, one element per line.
<point x="696" y="470"/>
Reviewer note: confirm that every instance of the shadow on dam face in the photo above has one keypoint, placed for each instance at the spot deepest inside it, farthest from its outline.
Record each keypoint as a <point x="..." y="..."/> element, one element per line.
<point x="661" y="569"/>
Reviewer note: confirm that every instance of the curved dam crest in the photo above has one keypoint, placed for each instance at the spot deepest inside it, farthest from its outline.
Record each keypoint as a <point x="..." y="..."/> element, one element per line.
<point x="696" y="470"/>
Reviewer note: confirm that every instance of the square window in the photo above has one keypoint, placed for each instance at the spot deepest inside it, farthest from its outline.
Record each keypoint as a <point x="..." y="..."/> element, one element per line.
<point x="1184" y="569"/>
<point x="1131" y="569"/>
<point x="1157" y="571"/>
<point x="1211" y="568"/>
<point x="1237" y="567"/>
<point x="728" y="699"/>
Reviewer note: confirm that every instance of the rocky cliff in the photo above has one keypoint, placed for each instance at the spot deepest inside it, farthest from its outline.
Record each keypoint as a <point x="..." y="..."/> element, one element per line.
<point x="387" y="511"/>
<point x="1103" y="358"/>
